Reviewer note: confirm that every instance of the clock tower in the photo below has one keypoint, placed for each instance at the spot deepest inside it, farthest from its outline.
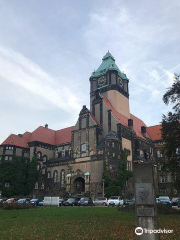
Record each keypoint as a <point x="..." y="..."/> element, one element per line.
<point x="108" y="81"/>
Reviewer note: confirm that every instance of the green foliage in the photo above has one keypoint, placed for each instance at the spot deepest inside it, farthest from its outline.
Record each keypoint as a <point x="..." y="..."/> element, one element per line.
<point x="17" y="206"/>
<point x="171" y="132"/>
<point x="21" y="173"/>
<point x="115" y="186"/>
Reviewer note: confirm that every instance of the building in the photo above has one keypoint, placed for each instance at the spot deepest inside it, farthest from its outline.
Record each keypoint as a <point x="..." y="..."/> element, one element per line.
<point x="73" y="159"/>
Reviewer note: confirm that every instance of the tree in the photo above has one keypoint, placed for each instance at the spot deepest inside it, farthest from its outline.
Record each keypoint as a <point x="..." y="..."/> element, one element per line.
<point x="115" y="186"/>
<point x="171" y="132"/>
<point x="20" y="173"/>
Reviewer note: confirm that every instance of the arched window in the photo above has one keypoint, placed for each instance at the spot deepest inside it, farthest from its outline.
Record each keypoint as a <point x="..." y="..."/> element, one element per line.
<point x="38" y="167"/>
<point x="42" y="185"/>
<point x="62" y="178"/>
<point x="36" y="185"/>
<point x="55" y="176"/>
<point x="39" y="155"/>
<point x="43" y="170"/>
<point x="49" y="174"/>
<point x="44" y="158"/>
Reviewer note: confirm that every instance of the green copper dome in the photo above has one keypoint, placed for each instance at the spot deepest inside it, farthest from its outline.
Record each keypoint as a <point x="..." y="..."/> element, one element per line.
<point x="108" y="63"/>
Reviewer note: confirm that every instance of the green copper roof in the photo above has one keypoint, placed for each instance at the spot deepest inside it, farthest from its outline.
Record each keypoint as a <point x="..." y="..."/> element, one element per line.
<point x="108" y="63"/>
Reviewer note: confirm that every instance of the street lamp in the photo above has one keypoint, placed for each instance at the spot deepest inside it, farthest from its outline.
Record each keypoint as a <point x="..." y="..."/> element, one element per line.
<point x="103" y="186"/>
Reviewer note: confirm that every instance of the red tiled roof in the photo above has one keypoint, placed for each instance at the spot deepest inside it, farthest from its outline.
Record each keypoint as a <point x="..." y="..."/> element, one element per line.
<point x="137" y="123"/>
<point x="63" y="135"/>
<point x="155" y="132"/>
<point x="41" y="134"/>
<point x="16" y="141"/>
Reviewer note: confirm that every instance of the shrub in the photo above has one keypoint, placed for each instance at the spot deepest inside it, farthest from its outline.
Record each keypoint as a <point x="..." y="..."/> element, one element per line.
<point x="17" y="206"/>
<point x="165" y="209"/>
<point x="161" y="209"/>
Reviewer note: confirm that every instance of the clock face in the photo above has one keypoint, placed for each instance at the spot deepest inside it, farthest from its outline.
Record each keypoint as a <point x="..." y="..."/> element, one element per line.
<point x="120" y="81"/>
<point x="101" y="81"/>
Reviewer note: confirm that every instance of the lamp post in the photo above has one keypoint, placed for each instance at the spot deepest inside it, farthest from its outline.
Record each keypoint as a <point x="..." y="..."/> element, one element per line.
<point x="103" y="186"/>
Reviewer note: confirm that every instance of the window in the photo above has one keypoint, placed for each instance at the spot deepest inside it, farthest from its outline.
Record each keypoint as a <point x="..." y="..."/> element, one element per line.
<point x="114" y="154"/>
<point x="62" y="178"/>
<point x="70" y="151"/>
<point x="63" y="152"/>
<point x="159" y="154"/>
<point x="55" y="176"/>
<point x="112" y="144"/>
<point x="6" y="184"/>
<point x="83" y="147"/>
<point x="141" y="153"/>
<point x="160" y="166"/>
<point x="178" y="151"/>
<point x="49" y="174"/>
<point x="83" y="150"/>
<point x="39" y="154"/>
<point x="9" y="148"/>
<point x="38" y="167"/>
<point x="56" y="153"/>
<point x="42" y="185"/>
<point x="36" y="185"/>
<point x="43" y="170"/>
<point x="162" y="179"/>
<point x="44" y="158"/>
<point x="128" y="165"/>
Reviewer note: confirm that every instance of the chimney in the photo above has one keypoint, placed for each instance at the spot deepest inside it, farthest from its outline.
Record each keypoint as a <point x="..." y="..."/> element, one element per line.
<point x="143" y="130"/>
<point x="130" y="123"/>
<point x="46" y="125"/>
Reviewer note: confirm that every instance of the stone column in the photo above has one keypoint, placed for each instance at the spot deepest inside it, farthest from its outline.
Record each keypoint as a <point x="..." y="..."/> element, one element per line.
<point x="145" y="197"/>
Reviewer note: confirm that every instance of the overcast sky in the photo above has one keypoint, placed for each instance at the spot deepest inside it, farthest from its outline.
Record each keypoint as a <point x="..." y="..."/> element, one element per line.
<point x="48" y="50"/>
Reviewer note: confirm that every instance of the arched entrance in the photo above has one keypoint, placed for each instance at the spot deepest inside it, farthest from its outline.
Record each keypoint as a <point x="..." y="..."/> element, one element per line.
<point x="79" y="185"/>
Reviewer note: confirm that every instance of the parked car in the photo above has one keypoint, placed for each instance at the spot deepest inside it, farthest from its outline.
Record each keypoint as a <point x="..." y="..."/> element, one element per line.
<point x="61" y="200"/>
<point x="41" y="203"/>
<point x="85" y="201"/>
<point x="115" y="201"/>
<point x="71" y="202"/>
<point x="23" y="200"/>
<point x="10" y="200"/>
<point x="178" y="203"/>
<point x="174" y="201"/>
<point x="165" y="200"/>
<point x="129" y="201"/>
<point x="34" y="201"/>
<point x="100" y="201"/>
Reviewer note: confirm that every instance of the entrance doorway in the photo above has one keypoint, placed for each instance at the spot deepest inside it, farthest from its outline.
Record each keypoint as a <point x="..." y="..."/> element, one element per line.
<point x="79" y="185"/>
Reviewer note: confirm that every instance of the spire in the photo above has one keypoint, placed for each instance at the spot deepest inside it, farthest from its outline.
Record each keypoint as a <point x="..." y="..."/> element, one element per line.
<point x="108" y="63"/>
<point x="107" y="56"/>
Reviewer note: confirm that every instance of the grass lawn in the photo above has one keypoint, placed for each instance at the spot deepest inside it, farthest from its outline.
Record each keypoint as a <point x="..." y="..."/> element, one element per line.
<point x="76" y="223"/>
